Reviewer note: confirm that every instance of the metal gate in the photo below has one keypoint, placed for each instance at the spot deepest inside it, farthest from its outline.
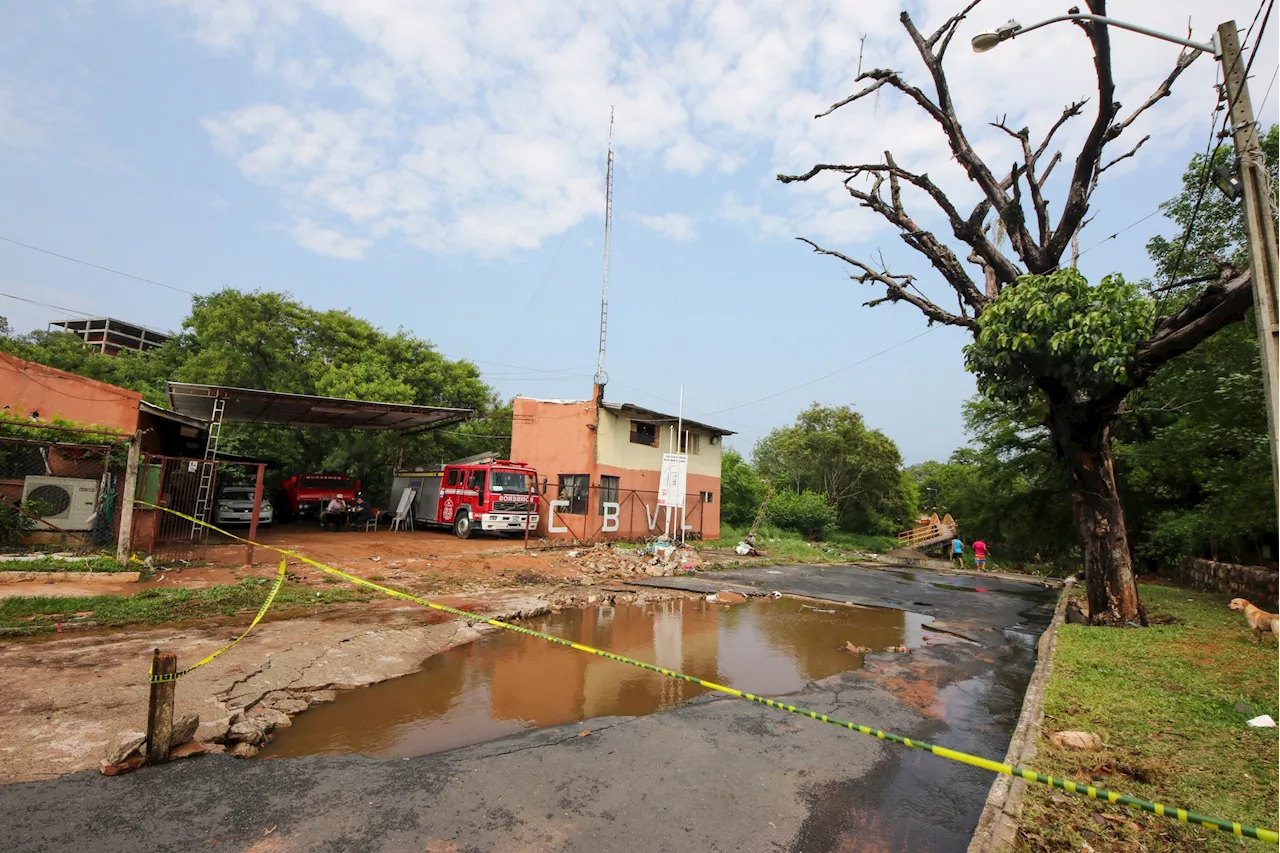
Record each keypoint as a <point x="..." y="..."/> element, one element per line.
<point x="175" y="483"/>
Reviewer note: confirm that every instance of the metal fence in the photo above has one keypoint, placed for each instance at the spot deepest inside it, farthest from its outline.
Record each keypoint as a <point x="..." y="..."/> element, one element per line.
<point x="617" y="513"/>
<point x="60" y="489"/>
<point x="173" y="482"/>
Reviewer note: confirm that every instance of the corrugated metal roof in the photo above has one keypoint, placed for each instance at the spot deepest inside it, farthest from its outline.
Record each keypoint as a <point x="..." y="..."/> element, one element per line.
<point x="643" y="414"/>
<point x="246" y="405"/>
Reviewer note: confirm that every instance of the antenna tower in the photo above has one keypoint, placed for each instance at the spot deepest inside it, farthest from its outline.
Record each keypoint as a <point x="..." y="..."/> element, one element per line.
<point x="601" y="377"/>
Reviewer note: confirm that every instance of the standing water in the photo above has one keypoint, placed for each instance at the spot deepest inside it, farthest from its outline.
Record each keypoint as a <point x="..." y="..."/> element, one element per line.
<point x="506" y="682"/>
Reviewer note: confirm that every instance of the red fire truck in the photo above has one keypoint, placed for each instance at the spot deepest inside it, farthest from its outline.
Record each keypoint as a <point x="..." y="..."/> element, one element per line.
<point x="479" y="493"/>
<point x="306" y="495"/>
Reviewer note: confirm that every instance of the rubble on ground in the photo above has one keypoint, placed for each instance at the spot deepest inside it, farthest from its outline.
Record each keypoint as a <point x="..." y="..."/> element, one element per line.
<point x="657" y="559"/>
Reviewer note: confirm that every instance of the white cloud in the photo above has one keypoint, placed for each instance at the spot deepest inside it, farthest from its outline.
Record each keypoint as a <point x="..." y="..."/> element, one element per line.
<point x="479" y="127"/>
<point x="677" y="226"/>
<point x="327" y="241"/>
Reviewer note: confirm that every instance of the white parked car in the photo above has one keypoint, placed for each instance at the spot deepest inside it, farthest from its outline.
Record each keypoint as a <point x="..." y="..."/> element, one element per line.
<point x="235" y="506"/>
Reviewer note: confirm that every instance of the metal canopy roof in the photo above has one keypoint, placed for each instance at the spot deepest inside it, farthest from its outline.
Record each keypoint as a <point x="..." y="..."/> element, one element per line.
<point x="245" y="405"/>
<point x="641" y="413"/>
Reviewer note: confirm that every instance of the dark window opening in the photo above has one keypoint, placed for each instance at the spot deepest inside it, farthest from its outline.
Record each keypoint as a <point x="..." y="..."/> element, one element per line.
<point x="643" y="433"/>
<point x="477" y="482"/>
<point x="573" y="489"/>
<point x="706" y="497"/>
<point x="608" y="491"/>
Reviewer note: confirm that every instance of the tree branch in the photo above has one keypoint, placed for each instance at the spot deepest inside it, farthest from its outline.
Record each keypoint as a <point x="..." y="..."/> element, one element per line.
<point x="895" y="288"/>
<point x="1125" y="156"/>
<point x="1162" y="91"/>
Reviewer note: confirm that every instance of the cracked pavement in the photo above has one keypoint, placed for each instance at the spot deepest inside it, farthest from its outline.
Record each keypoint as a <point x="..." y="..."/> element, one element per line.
<point x="715" y="774"/>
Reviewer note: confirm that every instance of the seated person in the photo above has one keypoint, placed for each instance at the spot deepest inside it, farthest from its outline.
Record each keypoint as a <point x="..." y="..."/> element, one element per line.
<point x="335" y="513"/>
<point x="360" y="510"/>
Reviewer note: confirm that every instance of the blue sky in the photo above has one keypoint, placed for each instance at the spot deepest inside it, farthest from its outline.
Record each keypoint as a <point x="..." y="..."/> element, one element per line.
<point x="440" y="166"/>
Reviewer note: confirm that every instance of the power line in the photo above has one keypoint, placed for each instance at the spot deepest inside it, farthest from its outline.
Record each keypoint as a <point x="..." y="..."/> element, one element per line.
<point x="96" y="266"/>
<point x="1253" y="54"/>
<point x="46" y="305"/>
<point x="827" y="375"/>
<point x="1263" y="107"/>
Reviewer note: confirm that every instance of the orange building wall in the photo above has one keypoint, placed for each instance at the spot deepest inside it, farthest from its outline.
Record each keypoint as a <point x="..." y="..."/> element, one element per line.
<point x="559" y="438"/>
<point x="27" y="387"/>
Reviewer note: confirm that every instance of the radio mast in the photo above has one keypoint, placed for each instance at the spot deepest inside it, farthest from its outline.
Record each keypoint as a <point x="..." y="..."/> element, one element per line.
<point x="601" y="377"/>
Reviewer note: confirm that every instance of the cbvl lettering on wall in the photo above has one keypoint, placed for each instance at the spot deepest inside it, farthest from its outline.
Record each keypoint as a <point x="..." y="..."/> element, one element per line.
<point x="609" y="520"/>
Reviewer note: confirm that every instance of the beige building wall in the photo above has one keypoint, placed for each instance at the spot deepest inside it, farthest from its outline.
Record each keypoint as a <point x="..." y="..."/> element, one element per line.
<point x="615" y="448"/>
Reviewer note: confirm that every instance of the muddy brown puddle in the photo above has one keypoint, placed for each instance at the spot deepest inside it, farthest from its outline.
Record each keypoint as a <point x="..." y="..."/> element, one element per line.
<point x="505" y="682"/>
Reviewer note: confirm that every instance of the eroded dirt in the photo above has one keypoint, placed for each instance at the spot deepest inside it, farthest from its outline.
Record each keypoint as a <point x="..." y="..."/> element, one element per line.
<point x="69" y="696"/>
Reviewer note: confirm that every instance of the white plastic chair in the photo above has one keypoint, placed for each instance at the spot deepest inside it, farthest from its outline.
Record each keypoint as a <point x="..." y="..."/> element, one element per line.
<point x="404" y="514"/>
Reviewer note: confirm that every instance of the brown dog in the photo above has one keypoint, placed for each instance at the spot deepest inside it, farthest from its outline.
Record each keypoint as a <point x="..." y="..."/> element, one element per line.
<point x="1259" y="619"/>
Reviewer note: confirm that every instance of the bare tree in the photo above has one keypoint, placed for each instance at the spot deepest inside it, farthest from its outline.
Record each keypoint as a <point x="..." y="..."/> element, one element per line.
<point x="1080" y="427"/>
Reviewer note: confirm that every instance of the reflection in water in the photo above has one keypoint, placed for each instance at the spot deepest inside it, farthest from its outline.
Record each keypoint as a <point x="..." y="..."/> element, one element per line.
<point x="507" y="682"/>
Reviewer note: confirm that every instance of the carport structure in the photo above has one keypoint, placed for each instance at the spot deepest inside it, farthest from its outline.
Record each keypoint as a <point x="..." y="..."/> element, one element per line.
<point x="219" y="404"/>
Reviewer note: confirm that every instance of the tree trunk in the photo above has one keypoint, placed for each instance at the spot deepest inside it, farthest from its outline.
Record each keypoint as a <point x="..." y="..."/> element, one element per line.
<point x="1084" y="441"/>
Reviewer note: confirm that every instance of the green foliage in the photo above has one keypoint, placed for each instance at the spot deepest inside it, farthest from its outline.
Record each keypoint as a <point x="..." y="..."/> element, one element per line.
<point x="741" y="488"/>
<point x="101" y="563"/>
<point x="273" y="342"/>
<point x="1191" y="450"/>
<point x="38" y="614"/>
<point x="1058" y="329"/>
<point x="18" y="521"/>
<point x="806" y="513"/>
<point x="831" y="451"/>
<point x="1219" y="224"/>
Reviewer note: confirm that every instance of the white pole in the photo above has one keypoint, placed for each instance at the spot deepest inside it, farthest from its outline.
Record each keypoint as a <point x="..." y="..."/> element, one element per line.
<point x="680" y="433"/>
<point x="666" y="516"/>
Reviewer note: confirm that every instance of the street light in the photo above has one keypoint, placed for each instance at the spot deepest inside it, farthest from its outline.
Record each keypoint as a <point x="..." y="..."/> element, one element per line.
<point x="1253" y="185"/>
<point x="983" y="42"/>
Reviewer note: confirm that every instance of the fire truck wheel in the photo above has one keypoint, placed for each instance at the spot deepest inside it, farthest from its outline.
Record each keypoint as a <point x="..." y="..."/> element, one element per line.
<point x="462" y="525"/>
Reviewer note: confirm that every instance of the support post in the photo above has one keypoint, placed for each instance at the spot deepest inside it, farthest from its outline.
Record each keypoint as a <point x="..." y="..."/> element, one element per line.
<point x="124" y="536"/>
<point x="160" y="708"/>
<point x="1259" y="222"/>
<point x="257" y="513"/>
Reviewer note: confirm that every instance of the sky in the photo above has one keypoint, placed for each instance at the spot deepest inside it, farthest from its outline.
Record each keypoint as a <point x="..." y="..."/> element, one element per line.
<point x="439" y="167"/>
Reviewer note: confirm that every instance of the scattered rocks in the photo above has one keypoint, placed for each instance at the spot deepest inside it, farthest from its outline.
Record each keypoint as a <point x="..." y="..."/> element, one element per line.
<point x="726" y="596"/>
<point x="900" y="650"/>
<point x="128" y="766"/>
<point x="125" y="747"/>
<point x="269" y="718"/>
<point x="1076" y="616"/>
<point x="184" y="729"/>
<point x="1083" y="741"/>
<point x="856" y="650"/>
<point x="243" y="750"/>
<point x="317" y="697"/>
<point x="189" y="749"/>
<point x="246" y="731"/>
<point x="214" y="730"/>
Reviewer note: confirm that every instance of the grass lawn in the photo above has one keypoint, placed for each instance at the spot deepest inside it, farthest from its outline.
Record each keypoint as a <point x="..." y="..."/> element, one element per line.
<point x="54" y="564"/>
<point x="1164" y="702"/>
<point x="22" y="615"/>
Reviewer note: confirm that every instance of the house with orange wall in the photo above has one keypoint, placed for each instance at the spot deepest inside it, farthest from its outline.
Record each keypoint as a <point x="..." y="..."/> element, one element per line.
<point x="602" y="462"/>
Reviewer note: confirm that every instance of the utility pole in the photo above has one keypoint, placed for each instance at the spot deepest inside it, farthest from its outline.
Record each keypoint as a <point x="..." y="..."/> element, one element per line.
<point x="1260" y="224"/>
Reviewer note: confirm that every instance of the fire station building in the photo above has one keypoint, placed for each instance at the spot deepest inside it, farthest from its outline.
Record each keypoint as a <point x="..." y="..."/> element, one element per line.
<point x="602" y="463"/>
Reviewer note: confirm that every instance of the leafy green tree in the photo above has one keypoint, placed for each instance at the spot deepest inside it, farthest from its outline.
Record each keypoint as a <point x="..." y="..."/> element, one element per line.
<point x="806" y="513"/>
<point x="741" y="489"/>
<point x="1191" y="450"/>
<point x="831" y="451"/>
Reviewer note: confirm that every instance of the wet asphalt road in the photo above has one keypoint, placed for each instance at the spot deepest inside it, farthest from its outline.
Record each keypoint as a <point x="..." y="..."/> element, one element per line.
<point x="719" y="775"/>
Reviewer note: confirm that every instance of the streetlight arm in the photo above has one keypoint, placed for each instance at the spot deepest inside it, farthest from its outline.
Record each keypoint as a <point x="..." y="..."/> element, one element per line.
<point x="1210" y="48"/>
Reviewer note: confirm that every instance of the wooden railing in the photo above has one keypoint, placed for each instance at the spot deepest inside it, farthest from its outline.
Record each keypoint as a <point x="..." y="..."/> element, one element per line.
<point x="918" y="536"/>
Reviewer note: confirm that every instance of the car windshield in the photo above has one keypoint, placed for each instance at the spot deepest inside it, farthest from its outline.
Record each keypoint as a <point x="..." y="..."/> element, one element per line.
<point x="511" y="482"/>
<point x="237" y="494"/>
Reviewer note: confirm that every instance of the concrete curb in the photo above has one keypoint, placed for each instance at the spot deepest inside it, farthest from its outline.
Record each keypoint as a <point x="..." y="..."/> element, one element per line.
<point x="998" y="824"/>
<point x="85" y="577"/>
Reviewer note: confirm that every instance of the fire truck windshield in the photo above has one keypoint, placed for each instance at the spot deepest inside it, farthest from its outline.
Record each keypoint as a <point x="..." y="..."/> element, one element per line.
<point x="511" y="482"/>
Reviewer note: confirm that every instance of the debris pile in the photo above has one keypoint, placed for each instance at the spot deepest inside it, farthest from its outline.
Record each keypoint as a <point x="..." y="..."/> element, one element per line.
<point x="657" y="559"/>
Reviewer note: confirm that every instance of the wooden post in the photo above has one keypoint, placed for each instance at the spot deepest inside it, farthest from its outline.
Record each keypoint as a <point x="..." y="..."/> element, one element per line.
<point x="257" y="511"/>
<point x="160" y="708"/>
<point x="124" y="536"/>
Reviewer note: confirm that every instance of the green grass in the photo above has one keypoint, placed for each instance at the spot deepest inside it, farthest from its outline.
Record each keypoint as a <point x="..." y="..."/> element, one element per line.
<point x="53" y="564"/>
<point x="786" y="546"/>
<point x="1163" y="700"/>
<point x="38" y="614"/>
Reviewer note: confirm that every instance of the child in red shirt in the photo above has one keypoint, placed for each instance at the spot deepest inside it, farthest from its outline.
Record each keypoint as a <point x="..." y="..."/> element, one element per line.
<point x="980" y="554"/>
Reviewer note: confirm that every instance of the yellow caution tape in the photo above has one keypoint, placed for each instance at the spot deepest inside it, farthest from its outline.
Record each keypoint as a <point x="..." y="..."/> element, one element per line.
<point x="262" y="611"/>
<point x="1182" y="815"/>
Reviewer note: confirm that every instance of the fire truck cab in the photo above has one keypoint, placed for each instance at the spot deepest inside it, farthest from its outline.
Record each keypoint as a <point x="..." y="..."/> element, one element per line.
<point x="496" y="495"/>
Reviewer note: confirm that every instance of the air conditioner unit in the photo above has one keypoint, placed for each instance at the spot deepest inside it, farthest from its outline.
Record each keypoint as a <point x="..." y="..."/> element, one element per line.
<point x="71" y="502"/>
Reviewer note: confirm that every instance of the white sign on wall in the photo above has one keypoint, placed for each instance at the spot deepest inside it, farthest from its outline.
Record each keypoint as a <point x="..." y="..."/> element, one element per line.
<point x="675" y="475"/>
